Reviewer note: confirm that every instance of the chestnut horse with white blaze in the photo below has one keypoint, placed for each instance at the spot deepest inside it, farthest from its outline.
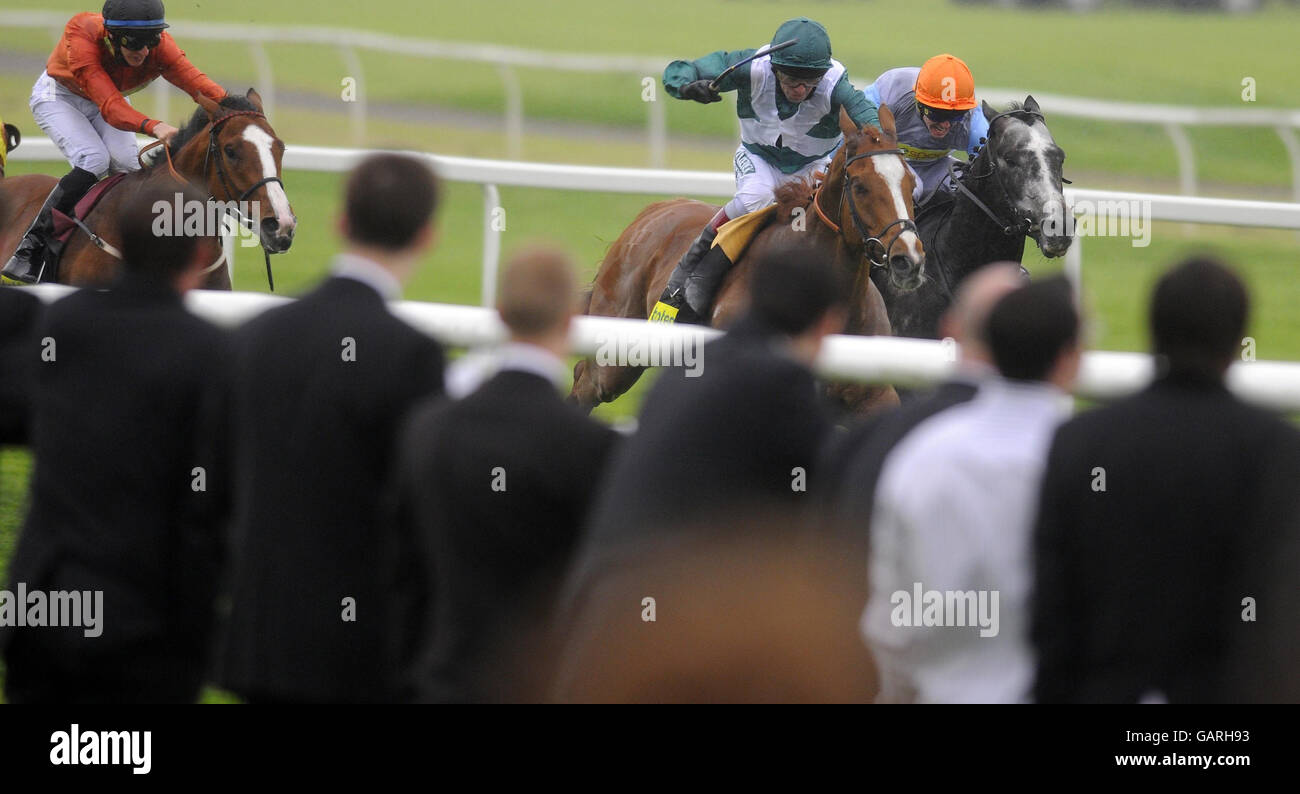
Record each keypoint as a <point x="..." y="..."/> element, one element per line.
<point x="228" y="150"/>
<point x="861" y="217"/>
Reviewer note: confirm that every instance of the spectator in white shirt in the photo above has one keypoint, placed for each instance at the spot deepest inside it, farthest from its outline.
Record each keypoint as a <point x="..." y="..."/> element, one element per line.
<point x="951" y="567"/>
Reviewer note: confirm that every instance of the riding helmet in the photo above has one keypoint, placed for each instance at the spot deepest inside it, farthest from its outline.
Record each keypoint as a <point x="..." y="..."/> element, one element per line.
<point x="134" y="15"/>
<point x="811" y="57"/>
<point x="945" y="82"/>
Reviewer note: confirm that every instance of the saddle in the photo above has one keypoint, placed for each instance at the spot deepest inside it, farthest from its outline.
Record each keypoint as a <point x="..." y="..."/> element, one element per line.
<point x="735" y="235"/>
<point x="65" y="226"/>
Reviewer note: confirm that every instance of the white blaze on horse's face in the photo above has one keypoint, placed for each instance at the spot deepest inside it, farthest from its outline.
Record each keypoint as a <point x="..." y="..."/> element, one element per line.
<point x="1042" y="199"/>
<point x="893" y="171"/>
<point x="262" y="141"/>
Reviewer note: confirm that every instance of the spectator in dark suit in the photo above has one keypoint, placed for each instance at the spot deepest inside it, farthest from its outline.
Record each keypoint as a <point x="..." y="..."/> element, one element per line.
<point x="722" y="450"/>
<point x="319" y="390"/>
<point x="1158" y="515"/>
<point x="745" y="428"/>
<point x="853" y="459"/>
<point x="20" y="355"/>
<point x="498" y="485"/>
<point x="121" y="485"/>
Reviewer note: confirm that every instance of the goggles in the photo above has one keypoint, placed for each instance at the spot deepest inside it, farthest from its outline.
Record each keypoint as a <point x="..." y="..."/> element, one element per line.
<point x="139" y="41"/>
<point x="790" y="81"/>
<point x="937" y="115"/>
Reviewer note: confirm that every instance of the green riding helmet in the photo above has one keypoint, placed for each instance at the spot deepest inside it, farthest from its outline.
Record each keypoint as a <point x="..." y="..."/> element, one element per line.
<point x="813" y="52"/>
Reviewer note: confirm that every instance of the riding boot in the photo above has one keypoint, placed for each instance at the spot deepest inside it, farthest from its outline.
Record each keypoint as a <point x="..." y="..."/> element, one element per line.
<point x="672" y="305"/>
<point x="28" y="264"/>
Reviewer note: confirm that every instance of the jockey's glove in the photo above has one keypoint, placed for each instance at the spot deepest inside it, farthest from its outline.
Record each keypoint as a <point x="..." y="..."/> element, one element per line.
<point x="700" y="91"/>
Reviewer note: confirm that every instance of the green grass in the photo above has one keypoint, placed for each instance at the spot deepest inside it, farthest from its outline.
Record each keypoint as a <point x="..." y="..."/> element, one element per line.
<point x="1125" y="53"/>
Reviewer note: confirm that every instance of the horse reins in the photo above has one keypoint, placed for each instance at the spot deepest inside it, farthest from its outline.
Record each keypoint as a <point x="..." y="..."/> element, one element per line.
<point x="213" y="149"/>
<point x="868" y="239"/>
<point x="1025" y="225"/>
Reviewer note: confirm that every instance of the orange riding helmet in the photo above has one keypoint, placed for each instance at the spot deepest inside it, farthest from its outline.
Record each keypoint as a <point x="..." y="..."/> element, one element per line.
<point x="945" y="82"/>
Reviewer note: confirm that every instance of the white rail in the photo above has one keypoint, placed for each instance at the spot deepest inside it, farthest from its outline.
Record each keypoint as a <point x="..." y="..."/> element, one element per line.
<point x="1103" y="376"/>
<point x="506" y="60"/>
<point x="494" y="173"/>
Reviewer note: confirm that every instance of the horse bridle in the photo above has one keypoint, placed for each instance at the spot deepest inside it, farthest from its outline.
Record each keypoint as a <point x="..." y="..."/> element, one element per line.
<point x="1023" y="226"/>
<point x="215" y="155"/>
<point x="868" y="239"/>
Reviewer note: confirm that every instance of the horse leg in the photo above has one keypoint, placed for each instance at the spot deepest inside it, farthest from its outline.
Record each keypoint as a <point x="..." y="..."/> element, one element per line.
<point x="594" y="384"/>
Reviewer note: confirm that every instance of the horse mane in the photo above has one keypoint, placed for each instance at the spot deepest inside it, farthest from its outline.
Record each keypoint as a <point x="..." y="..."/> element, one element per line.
<point x="797" y="193"/>
<point x="200" y="120"/>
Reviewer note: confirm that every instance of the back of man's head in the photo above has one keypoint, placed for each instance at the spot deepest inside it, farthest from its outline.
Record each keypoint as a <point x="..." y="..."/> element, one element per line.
<point x="1198" y="315"/>
<point x="389" y="200"/>
<point x="966" y="320"/>
<point x="152" y="228"/>
<point x="1031" y="328"/>
<point x="537" y="294"/>
<point x="792" y="288"/>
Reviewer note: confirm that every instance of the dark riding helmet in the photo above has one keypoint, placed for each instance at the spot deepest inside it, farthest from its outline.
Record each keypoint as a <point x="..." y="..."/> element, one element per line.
<point x="811" y="57"/>
<point x="140" y="15"/>
<point x="134" y="24"/>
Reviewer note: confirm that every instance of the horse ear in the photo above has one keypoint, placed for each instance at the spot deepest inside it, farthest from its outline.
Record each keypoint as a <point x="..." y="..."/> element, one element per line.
<point x="847" y="125"/>
<point x="887" y="121"/>
<point x="1030" y="104"/>
<point x="211" y="108"/>
<point x="989" y="112"/>
<point x="255" y="98"/>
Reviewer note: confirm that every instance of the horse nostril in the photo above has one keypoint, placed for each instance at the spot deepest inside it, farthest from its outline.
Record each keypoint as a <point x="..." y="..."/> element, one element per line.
<point x="270" y="226"/>
<point x="900" y="263"/>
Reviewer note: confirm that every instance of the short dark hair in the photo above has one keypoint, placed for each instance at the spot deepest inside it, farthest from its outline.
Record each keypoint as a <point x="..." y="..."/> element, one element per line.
<point x="538" y="291"/>
<point x="389" y="198"/>
<point x="154" y="245"/>
<point x="1198" y="314"/>
<point x="793" y="287"/>
<point x="1031" y="327"/>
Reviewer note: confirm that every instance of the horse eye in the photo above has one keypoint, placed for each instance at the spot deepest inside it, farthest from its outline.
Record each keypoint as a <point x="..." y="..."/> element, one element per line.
<point x="230" y="151"/>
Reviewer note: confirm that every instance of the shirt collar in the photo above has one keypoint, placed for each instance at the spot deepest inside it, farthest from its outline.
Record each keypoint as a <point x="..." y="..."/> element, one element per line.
<point x="370" y="273"/>
<point x="523" y="357"/>
<point x="1029" y="396"/>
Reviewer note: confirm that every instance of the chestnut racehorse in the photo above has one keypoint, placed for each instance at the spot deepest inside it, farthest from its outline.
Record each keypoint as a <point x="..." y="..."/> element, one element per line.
<point x="861" y="217"/>
<point x="228" y="151"/>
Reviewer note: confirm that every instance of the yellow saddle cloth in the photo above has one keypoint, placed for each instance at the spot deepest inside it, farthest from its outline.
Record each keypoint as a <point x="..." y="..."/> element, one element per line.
<point x="736" y="235"/>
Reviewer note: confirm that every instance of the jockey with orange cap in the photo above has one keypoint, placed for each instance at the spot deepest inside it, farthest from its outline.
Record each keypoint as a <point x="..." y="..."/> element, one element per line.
<point x="788" y="102"/>
<point x="935" y="112"/>
<point x="79" y="102"/>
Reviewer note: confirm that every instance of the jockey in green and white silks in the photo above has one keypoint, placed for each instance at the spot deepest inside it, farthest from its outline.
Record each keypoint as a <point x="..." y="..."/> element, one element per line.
<point x="935" y="112"/>
<point x="789" y="104"/>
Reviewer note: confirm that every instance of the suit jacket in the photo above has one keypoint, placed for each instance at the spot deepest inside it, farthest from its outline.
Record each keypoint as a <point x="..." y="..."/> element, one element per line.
<point x="738" y="437"/>
<point x="851" y="463"/>
<point x="1140" y="576"/>
<point x="118" y="505"/>
<point x="19" y="358"/>
<point x="320" y="388"/>
<point x="498" y="486"/>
